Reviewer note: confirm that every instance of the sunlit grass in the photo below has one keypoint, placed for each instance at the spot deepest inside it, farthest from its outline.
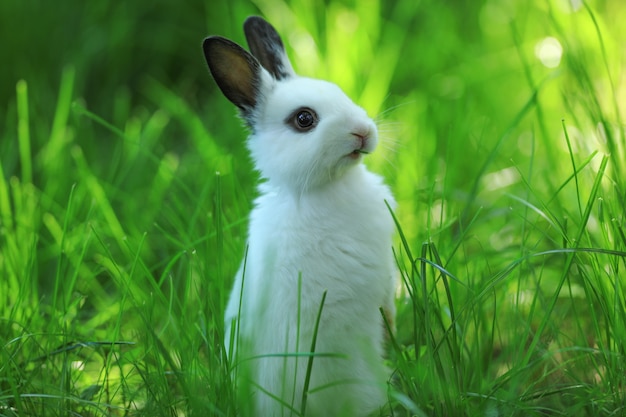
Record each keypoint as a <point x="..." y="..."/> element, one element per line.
<point x="124" y="198"/>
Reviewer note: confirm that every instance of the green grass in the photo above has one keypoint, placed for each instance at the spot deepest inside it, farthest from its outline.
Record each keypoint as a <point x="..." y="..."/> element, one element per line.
<point x="125" y="188"/>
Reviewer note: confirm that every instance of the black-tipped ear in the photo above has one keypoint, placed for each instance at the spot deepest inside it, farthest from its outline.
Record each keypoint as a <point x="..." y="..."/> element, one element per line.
<point x="236" y="72"/>
<point x="266" y="45"/>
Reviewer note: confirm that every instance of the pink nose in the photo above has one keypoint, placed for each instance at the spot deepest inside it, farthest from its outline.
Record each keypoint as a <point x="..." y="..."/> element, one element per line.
<point x="361" y="140"/>
<point x="362" y="132"/>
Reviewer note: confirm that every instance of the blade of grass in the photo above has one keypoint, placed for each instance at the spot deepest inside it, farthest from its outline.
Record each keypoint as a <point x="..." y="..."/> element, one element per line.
<point x="568" y="263"/>
<point x="23" y="131"/>
<point x="309" y="367"/>
<point x="575" y="171"/>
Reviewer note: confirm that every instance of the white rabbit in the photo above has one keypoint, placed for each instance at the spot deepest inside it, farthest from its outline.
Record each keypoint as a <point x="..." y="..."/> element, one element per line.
<point x="320" y="225"/>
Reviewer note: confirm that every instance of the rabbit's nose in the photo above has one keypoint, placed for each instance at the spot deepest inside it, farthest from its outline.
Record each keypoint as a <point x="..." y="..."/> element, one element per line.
<point x="362" y="132"/>
<point x="361" y="139"/>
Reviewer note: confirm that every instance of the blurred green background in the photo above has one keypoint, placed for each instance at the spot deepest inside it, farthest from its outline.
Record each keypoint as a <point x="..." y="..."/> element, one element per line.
<point x="438" y="70"/>
<point x="502" y="137"/>
<point x="460" y="89"/>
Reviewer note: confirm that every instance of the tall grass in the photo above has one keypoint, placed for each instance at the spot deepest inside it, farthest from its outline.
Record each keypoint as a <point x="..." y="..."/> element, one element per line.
<point x="125" y="188"/>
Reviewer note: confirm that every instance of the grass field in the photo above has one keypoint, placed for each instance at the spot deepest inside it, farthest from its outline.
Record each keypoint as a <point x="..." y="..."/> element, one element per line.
<point x="125" y="188"/>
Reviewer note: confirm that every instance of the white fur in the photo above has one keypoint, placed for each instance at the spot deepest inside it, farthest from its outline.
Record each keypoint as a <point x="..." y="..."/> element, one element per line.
<point x="302" y="161"/>
<point x="321" y="218"/>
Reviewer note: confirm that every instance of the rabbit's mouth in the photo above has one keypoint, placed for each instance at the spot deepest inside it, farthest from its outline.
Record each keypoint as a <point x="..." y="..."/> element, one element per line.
<point x="361" y="145"/>
<point x="357" y="153"/>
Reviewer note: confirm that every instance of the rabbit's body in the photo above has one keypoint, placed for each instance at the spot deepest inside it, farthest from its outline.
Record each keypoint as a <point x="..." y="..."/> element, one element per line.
<point x="306" y="240"/>
<point x="320" y="225"/>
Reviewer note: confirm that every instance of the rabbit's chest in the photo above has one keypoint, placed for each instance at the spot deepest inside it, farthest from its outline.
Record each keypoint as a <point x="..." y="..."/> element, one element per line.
<point x="325" y="240"/>
<point x="323" y="222"/>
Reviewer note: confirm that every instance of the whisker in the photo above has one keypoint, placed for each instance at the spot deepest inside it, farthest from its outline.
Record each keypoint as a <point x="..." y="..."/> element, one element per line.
<point x="393" y="108"/>
<point x="391" y="141"/>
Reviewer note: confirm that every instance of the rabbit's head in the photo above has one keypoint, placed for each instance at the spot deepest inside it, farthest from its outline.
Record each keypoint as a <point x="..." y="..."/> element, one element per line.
<point x="305" y="132"/>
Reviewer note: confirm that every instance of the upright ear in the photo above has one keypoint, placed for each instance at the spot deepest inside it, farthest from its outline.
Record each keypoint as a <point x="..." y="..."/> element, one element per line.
<point x="236" y="72"/>
<point x="266" y="45"/>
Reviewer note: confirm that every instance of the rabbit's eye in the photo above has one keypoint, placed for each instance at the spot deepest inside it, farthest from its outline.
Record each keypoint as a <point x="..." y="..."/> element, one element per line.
<point x="303" y="120"/>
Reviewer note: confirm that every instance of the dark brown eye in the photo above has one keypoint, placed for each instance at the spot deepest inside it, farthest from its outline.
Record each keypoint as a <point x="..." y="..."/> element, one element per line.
<point x="303" y="120"/>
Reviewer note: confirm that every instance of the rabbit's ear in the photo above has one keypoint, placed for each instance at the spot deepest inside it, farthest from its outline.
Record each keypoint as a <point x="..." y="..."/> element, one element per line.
<point x="236" y="72"/>
<point x="266" y="45"/>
